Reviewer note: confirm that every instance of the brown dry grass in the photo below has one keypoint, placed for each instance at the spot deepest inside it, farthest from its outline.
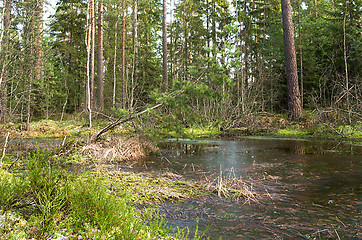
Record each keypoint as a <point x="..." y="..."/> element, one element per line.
<point x="120" y="149"/>
<point x="233" y="187"/>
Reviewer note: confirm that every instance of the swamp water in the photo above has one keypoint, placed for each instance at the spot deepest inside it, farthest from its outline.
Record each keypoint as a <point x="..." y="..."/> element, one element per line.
<point x="306" y="189"/>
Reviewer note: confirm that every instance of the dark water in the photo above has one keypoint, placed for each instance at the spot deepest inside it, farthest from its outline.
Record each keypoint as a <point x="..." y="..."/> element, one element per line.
<point x="307" y="189"/>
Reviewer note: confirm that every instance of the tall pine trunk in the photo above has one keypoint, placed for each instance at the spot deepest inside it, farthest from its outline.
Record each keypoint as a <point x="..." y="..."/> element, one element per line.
<point x="30" y="77"/>
<point x="93" y="29"/>
<point x="164" y="48"/>
<point x="345" y="64"/>
<point x="100" y="96"/>
<point x="29" y="38"/>
<point x="90" y="61"/>
<point x="135" y="51"/>
<point x="39" y="42"/>
<point x="4" y="60"/>
<point x="123" y="54"/>
<point x="300" y="57"/>
<point x="294" y="105"/>
<point x="114" y="65"/>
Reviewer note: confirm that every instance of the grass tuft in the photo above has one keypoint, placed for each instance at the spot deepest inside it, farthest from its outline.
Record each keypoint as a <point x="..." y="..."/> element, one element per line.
<point x="46" y="202"/>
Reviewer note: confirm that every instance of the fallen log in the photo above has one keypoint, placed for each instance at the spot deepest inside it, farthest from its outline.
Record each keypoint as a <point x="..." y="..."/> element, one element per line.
<point x="121" y="120"/>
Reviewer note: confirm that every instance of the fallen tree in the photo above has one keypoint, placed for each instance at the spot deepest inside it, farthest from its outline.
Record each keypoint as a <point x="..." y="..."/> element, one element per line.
<point x="131" y="116"/>
<point x="121" y="120"/>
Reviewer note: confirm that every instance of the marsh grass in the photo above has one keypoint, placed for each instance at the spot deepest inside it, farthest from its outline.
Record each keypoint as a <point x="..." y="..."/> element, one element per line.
<point x="155" y="188"/>
<point x="233" y="188"/>
<point x="45" y="201"/>
<point x="11" y="190"/>
<point x="120" y="149"/>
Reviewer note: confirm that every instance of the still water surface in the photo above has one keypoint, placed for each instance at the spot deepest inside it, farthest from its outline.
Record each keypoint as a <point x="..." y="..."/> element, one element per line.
<point x="308" y="189"/>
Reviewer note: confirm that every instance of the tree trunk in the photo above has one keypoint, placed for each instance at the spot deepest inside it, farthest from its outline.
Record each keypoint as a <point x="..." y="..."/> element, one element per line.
<point x="345" y="64"/>
<point x="123" y="54"/>
<point x="172" y="46"/>
<point x="29" y="37"/>
<point x="214" y="44"/>
<point x="135" y="51"/>
<point x="92" y="85"/>
<point x="301" y="58"/>
<point x="90" y="60"/>
<point x="240" y="70"/>
<point x="100" y="96"/>
<point x="245" y="82"/>
<point x="30" y="81"/>
<point x="114" y="66"/>
<point x="3" y="60"/>
<point x="39" y="42"/>
<point x="164" y="47"/>
<point x="294" y="106"/>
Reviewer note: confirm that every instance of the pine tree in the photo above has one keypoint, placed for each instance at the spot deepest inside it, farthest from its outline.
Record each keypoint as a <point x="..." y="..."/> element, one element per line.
<point x="294" y="106"/>
<point x="4" y="56"/>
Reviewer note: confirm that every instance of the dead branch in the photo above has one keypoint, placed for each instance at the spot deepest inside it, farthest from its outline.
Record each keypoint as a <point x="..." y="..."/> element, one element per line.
<point x="4" y="150"/>
<point x="121" y="120"/>
<point x="129" y="117"/>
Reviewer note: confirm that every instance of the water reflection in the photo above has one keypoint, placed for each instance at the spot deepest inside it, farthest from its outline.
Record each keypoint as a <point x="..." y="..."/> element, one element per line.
<point x="315" y="188"/>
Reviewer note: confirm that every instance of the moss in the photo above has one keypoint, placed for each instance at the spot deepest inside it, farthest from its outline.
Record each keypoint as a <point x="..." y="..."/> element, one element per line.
<point x="201" y="132"/>
<point x="146" y="188"/>
<point x="294" y="130"/>
<point x="351" y="131"/>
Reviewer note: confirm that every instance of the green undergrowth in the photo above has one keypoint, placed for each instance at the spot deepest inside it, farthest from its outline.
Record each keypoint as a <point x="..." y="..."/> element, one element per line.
<point x="44" y="201"/>
<point x="56" y="128"/>
<point x="292" y="131"/>
<point x="322" y="124"/>
<point x="144" y="188"/>
<point x="343" y="132"/>
<point x="186" y="133"/>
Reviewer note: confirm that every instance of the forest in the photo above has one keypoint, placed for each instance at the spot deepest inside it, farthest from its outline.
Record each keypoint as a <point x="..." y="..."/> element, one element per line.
<point x="114" y="51"/>
<point x="116" y="81"/>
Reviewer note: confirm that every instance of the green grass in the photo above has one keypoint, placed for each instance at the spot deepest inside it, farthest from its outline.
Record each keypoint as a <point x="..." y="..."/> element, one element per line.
<point x="351" y="131"/>
<point x="146" y="188"/>
<point x="205" y="132"/>
<point x="44" y="201"/>
<point x="187" y="133"/>
<point x="292" y="132"/>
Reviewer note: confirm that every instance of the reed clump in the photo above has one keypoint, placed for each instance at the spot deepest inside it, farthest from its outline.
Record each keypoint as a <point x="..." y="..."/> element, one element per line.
<point x="233" y="187"/>
<point x="120" y="149"/>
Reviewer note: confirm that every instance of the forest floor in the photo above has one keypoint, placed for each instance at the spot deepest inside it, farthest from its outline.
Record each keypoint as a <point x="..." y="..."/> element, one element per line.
<point x="88" y="191"/>
<point x="80" y="191"/>
<point x="328" y="124"/>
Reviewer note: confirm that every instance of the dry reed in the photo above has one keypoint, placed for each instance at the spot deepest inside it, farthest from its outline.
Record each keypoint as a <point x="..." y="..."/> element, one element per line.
<point x="120" y="149"/>
<point x="233" y="187"/>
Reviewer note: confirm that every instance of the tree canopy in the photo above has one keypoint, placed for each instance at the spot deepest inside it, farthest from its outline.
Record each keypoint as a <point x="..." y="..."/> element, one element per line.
<point x="238" y="43"/>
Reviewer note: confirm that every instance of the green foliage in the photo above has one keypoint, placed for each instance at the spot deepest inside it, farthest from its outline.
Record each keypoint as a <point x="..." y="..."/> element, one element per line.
<point x="292" y="131"/>
<point x="85" y="206"/>
<point x="351" y="131"/>
<point x="13" y="226"/>
<point x="49" y="186"/>
<point x="238" y="45"/>
<point x="148" y="188"/>
<point x="12" y="189"/>
<point x="68" y="54"/>
<point x="90" y="202"/>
